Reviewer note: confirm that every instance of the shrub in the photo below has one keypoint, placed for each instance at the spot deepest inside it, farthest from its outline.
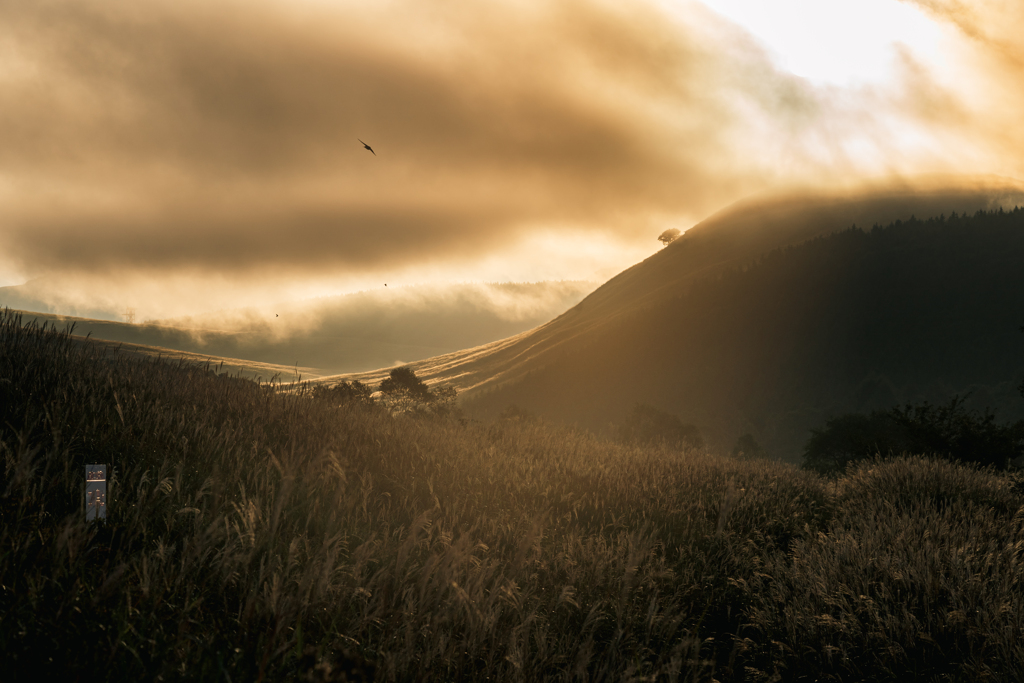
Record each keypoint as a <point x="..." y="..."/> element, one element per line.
<point x="354" y="392"/>
<point x="403" y="392"/>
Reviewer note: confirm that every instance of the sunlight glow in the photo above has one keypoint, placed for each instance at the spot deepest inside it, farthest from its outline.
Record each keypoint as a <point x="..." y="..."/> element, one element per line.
<point x="840" y="42"/>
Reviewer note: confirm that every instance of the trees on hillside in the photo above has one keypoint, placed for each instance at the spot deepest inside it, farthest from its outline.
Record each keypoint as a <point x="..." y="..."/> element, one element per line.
<point x="354" y="392"/>
<point x="402" y="384"/>
<point x="848" y="438"/>
<point x="402" y="391"/>
<point x="949" y="431"/>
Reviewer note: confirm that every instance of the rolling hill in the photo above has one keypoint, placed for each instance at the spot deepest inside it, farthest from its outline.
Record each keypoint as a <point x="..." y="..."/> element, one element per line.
<point x="110" y="337"/>
<point x="336" y="334"/>
<point x="761" y="319"/>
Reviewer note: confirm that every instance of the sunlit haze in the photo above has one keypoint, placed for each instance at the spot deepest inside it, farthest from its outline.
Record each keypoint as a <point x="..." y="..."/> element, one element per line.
<point x="841" y="42"/>
<point x="181" y="157"/>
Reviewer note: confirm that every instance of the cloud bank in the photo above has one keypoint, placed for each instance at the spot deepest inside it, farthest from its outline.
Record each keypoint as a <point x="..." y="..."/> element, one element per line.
<point x="185" y="155"/>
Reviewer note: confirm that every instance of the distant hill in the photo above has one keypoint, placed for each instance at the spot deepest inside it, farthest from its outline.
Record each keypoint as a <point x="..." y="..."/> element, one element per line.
<point x="34" y="296"/>
<point x="762" y="320"/>
<point x="235" y="367"/>
<point x="346" y="333"/>
<point x="222" y="365"/>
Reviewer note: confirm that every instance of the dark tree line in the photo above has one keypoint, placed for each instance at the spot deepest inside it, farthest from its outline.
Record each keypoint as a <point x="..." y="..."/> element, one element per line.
<point x="949" y="431"/>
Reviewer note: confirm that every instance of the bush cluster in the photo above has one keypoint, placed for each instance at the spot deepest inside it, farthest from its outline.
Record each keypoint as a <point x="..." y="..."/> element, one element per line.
<point x="948" y="431"/>
<point x="400" y="392"/>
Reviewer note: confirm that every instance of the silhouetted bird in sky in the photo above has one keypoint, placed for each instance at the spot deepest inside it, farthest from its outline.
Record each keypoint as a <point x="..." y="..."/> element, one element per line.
<point x="368" y="147"/>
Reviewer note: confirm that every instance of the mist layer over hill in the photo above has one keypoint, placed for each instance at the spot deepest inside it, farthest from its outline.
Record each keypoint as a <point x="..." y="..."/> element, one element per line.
<point x="762" y="320"/>
<point x="347" y="333"/>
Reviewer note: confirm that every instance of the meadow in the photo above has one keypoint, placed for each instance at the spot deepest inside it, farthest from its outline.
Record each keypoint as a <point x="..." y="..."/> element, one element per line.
<point x="256" y="534"/>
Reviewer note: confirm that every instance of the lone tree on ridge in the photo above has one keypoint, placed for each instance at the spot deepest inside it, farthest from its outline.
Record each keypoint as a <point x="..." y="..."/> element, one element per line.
<point x="668" y="236"/>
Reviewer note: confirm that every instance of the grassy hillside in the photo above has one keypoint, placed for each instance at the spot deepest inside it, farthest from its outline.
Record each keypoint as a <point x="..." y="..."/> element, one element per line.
<point x="850" y="321"/>
<point x="732" y="238"/>
<point x="856" y="321"/>
<point x="256" y="535"/>
<point x="237" y="367"/>
<point x="859" y="320"/>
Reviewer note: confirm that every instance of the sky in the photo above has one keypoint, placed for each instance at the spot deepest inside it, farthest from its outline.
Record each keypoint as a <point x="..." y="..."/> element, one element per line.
<point x="180" y="156"/>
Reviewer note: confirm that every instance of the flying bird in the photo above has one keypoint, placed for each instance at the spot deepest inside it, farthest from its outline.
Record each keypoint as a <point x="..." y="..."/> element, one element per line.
<point x="368" y="147"/>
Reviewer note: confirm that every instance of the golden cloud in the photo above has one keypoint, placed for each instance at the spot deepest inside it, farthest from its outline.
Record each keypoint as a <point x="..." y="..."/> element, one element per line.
<point x="218" y="141"/>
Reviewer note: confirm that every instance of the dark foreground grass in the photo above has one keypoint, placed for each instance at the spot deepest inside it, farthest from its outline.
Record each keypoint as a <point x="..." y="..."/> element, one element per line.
<point x="258" y="535"/>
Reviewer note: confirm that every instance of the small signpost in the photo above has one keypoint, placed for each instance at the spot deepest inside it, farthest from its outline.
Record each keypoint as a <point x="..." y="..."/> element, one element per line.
<point x="95" y="491"/>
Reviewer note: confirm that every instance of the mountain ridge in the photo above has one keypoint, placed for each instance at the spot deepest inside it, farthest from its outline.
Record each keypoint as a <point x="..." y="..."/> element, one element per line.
<point x="565" y="368"/>
<point x="733" y="236"/>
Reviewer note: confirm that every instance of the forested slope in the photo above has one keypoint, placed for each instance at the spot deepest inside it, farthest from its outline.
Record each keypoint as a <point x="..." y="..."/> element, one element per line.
<point x="861" y="319"/>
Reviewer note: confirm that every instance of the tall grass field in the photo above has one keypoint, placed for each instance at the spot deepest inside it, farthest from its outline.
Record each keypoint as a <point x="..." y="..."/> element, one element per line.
<point x="255" y="534"/>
